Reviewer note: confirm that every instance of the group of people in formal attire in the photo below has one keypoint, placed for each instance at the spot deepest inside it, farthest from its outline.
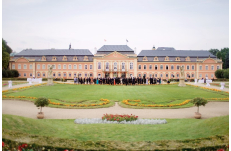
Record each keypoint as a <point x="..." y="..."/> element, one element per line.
<point x="117" y="81"/>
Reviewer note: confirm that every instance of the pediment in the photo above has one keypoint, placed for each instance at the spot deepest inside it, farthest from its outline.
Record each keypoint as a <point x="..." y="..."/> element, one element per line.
<point x="115" y="55"/>
<point x="209" y="60"/>
<point x="22" y="59"/>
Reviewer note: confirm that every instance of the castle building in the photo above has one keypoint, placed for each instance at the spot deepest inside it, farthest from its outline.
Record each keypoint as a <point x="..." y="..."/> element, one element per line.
<point x="115" y="61"/>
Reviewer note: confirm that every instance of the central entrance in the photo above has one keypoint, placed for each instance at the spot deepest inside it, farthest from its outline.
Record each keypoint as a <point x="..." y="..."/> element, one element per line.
<point x="115" y="74"/>
<point x="123" y="75"/>
<point x="107" y="75"/>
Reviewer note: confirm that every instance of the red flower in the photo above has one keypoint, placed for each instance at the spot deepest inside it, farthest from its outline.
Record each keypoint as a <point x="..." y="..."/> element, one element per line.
<point x="220" y="150"/>
<point x="66" y="150"/>
<point x="114" y="119"/>
<point x="2" y="144"/>
<point x="20" y="148"/>
<point x="117" y="119"/>
<point x="24" y="145"/>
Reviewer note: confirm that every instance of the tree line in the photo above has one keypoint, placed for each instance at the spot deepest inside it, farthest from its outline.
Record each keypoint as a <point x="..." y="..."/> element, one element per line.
<point x="222" y="54"/>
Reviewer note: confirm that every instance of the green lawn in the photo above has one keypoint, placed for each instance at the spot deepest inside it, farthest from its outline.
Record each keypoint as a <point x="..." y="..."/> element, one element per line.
<point x="175" y="129"/>
<point x="149" y="95"/>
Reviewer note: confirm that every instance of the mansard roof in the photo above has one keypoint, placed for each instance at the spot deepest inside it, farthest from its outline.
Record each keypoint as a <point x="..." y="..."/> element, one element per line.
<point x="115" y="48"/>
<point x="54" y="52"/>
<point x="176" y="53"/>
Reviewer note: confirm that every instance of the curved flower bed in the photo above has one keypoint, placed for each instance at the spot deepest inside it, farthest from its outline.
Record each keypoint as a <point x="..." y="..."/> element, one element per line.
<point x="212" y="89"/>
<point x="155" y="105"/>
<point x="100" y="121"/>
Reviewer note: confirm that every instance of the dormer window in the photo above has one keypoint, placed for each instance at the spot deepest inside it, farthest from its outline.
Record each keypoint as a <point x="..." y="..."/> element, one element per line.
<point x="166" y="58"/>
<point x="64" y="58"/>
<point x="44" y="58"/>
<point x="145" y="58"/>
<point x="187" y="58"/>
<point x="85" y="58"/>
<point x="54" y="58"/>
<point x="75" y="58"/>
<point x="156" y="59"/>
<point x="177" y="59"/>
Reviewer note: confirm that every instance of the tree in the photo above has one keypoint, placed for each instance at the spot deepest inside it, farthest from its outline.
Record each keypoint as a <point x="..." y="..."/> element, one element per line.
<point x="224" y="51"/>
<point x="219" y="73"/>
<point x="6" y="50"/>
<point x="227" y="60"/>
<point x="198" y="102"/>
<point x="41" y="102"/>
<point x="213" y="51"/>
<point x="226" y="73"/>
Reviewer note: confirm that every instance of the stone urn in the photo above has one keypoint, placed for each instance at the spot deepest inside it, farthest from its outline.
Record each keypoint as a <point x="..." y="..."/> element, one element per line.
<point x="197" y="115"/>
<point x="40" y="115"/>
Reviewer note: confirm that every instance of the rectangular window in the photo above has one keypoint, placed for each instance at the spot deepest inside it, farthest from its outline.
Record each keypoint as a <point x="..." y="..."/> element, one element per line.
<point x="59" y="66"/>
<point x="24" y="66"/>
<point x="85" y="74"/>
<point x="75" y="66"/>
<point x="59" y="74"/>
<point x="90" y="66"/>
<point x="31" y="67"/>
<point x="166" y="75"/>
<point x="54" y="66"/>
<point x="24" y="74"/>
<point x="19" y="74"/>
<point x="192" y="67"/>
<point x="192" y="75"/>
<point x="206" y="75"/>
<point x="150" y="67"/>
<point x="156" y="75"/>
<point x="38" y="66"/>
<point x="200" y="67"/>
<point x="131" y="65"/>
<point x="156" y="67"/>
<point x="99" y="65"/>
<point x="144" y="67"/>
<point x="64" y="66"/>
<point x="139" y="66"/>
<point x="218" y="67"/>
<point x="48" y="66"/>
<point x="212" y="75"/>
<point x="19" y="66"/>
<point x="177" y="75"/>
<point x="172" y="67"/>
<point x="161" y="67"/>
<point x="43" y="66"/>
<point x="69" y="66"/>
<point x="80" y="66"/>
<point x="44" y="74"/>
<point x="206" y="68"/>
<point x="64" y="74"/>
<point x="13" y="66"/>
<point x="187" y="67"/>
<point x="139" y="75"/>
<point x="178" y="67"/>
<point x="212" y="67"/>
<point x="85" y="67"/>
<point x="161" y="75"/>
<point x="200" y="75"/>
<point x="74" y="74"/>
<point x="69" y="74"/>
<point x="90" y="74"/>
<point x="80" y="75"/>
<point x="172" y="75"/>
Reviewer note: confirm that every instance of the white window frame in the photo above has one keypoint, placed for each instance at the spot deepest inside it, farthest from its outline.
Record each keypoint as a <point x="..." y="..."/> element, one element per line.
<point x="90" y="66"/>
<point x="69" y="74"/>
<point x="85" y="66"/>
<point x="24" y="74"/>
<point x="19" y="66"/>
<point x="188" y="67"/>
<point x="177" y="67"/>
<point x="80" y="66"/>
<point x="166" y="67"/>
<point x="156" y="67"/>
<point x="192" y="75"/>
<point x="200" y="75"/>
<point x="44" y="74"/>
<point x="212" y="67"/>
<point x="64" y="74"/>
<point x="200" y="67"/>
<point x="13" y="66"/>
<point x="150" y="67"/>
<point x="64" y="66"/>
<point x="206" y="67"/>
<point x="38" y="66"/>
<point x="212" y="75"/>
<point x="161" y="67"/>
<point x="193" y="67"/>
<point x="59" y="74"/>
<point x="69" y="66"/>
<point x="139" y="67"/>
<point x="30" y="66"/>
<point x="99" y="65"/>
<point x="54" y="66"/>
<point x="75" y="66"/>
<point x="24" y="66"/>
<point x="131" y="65"/>
<point x="218" y="67"/>
<point x="145" y="67"/>
<point x="43" y="66"/>
<point x="172" y="67"/>
<point x="59" y="66"/>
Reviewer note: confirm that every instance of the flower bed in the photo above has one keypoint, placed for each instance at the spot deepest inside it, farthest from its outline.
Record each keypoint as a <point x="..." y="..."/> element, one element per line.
<point x="119" y="118"/>
<point x="138" y="121"/>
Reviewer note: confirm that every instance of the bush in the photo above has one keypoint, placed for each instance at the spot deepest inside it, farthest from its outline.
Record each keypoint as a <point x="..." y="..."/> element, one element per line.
<point x="226" y="73"/>
<point x="15" y="73"/>
<point x="41" y="102"/>
<point x="10" y="73"/>
<point x="219" y="73"/>
<point x="4" y="74"/>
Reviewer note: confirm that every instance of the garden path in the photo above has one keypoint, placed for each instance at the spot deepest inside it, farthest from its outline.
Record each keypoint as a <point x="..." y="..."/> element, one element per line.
<point x="28" y="109"/>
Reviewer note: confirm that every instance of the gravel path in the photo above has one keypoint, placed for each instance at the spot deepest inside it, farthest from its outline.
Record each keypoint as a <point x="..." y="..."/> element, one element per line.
<point x="28" y="109"/>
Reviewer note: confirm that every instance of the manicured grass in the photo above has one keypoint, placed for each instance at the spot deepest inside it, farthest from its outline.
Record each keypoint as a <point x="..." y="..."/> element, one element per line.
<point x="175" y="129"/>
<point x="88" y="94"/>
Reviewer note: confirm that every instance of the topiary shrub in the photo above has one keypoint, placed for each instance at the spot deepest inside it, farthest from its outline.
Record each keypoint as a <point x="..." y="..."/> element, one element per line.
<point x="41" y="102"/>
<point x="10" y="73"/>
<point x="219" y="73"/>
<point x="198" y="102"/>
<point x="15" y="73"/>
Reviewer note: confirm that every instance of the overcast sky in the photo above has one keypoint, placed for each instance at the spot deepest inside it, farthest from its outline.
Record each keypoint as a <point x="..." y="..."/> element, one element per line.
<point x="182" y="24"/>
